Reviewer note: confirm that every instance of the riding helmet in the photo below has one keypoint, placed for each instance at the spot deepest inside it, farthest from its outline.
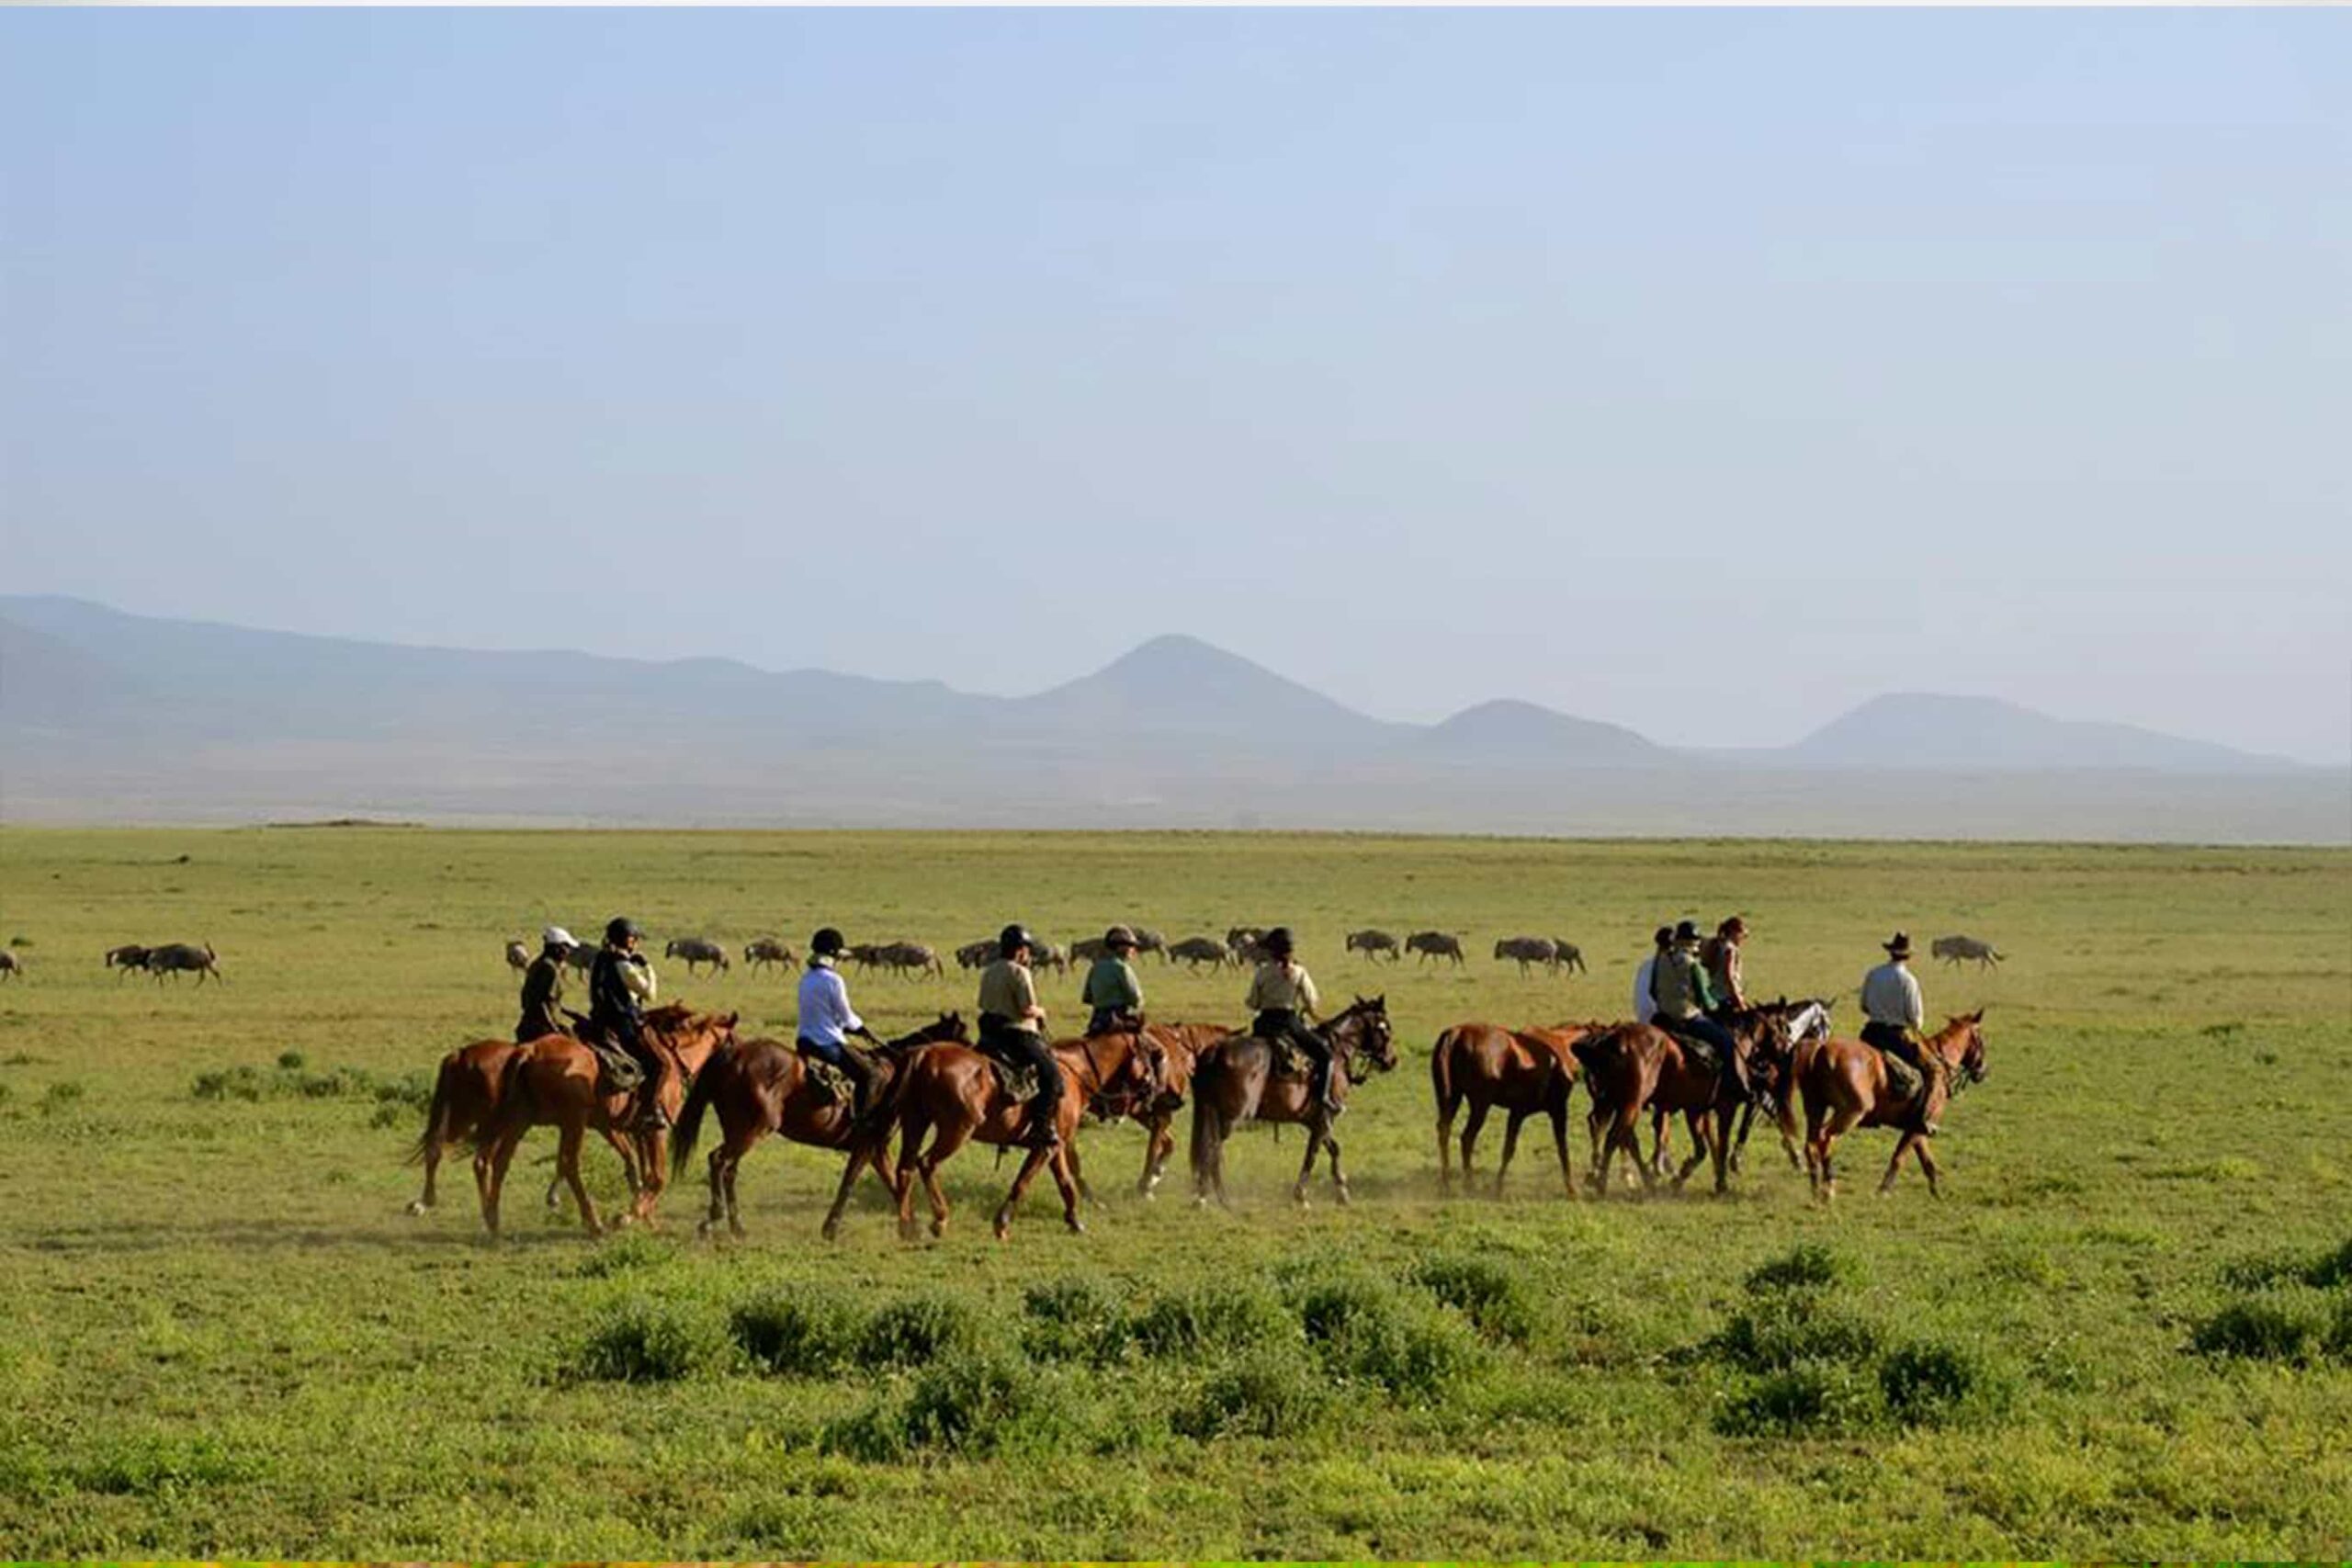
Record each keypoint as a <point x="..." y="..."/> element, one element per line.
<point x="1118" y="937"/>
<point x="828" y="944"/>
<point x="620" y="928"/>
<point x="1012" y="938"/>
<point x="1277" y="941"/>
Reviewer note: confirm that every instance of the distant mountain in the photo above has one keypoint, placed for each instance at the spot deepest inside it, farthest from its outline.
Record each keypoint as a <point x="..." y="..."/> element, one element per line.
<point x="1509" y="729"/>
<point x="1181" y="686"/>
<point x="1921" y="730"/>
<point x="107" y="717"/>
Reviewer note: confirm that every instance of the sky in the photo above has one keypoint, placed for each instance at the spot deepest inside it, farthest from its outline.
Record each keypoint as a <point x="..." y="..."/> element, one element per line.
<point x="1707" y="372"/>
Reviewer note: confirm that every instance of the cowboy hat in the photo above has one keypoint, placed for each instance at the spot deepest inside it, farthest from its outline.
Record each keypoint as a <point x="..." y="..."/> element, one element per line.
<point x="1898" y="945"/>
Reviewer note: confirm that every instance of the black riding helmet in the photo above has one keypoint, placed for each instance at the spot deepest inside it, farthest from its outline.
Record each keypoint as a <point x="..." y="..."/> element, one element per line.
<point x="1119" y="937"/>
<point x="1012" y="938"/>
<point x="619" y="928"/>
<point x="828" y="944"/>
<point x="1277" y="941"/>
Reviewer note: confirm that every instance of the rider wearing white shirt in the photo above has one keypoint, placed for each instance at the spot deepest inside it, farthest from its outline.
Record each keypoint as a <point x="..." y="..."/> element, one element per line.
<point x="827" y="1021"/>
<point x="1644" y="1004"/>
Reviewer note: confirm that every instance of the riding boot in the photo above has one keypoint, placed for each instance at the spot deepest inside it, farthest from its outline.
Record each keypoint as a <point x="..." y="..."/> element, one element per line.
<point x="1043" y="1134"/>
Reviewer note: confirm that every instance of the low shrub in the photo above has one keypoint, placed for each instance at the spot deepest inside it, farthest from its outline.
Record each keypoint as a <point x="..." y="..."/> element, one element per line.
<point x="974" y="1402"/>
<point x="1809" y="1400"/>
<point x="2254" y="1330"/>
<point x="2329" y="1269"/>
<point x="1929" y="1383"/>
<point x="1219" y="1319"/>
<point x="149" y="1465"/>
<point x="1780" y="1329"/>
<point x="291" y="1061"/>
<point x="640" y="1341"/>
<point x="874" y="1435"/>
<point x="61" y="1094"/>
<point x="1266" y="1394"/>
<point x="913" y="1331"/>
<point x="1484" y="1292"/>
<point x="1808" y="1267"/>
<point x="624" y="1254"/>
<point x="1367" y="1332"/>
<point x="2338" y="1340"/>
<point x="1075" y="1318"/>
<point x="795" y="1333"/>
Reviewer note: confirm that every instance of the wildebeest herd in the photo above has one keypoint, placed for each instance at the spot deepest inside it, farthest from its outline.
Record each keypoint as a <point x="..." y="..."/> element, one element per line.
<point x="935" y="1092"/>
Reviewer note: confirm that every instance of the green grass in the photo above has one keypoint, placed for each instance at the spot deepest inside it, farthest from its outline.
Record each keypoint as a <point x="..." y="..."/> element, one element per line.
<point x="2126" y="1331"/>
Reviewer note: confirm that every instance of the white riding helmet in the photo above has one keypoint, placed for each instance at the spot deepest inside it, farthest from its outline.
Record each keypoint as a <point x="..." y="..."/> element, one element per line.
<point x="556" y="936"/>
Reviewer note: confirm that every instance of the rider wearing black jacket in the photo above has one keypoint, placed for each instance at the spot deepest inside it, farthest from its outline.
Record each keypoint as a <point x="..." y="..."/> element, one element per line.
<point x="615" y="1008"/>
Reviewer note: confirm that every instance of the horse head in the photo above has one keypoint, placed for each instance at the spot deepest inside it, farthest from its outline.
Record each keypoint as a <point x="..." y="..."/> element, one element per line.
<point x="1362" y="1029"/>
<point x="946" y="1029"/>
<point x="1970" y="1027"/>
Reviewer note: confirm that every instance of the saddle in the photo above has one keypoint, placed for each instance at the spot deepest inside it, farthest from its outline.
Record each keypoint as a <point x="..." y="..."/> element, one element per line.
<point x="1018" y="1082"/>
<point x="617" y="1071"/>
<point x="831" y="1085"/>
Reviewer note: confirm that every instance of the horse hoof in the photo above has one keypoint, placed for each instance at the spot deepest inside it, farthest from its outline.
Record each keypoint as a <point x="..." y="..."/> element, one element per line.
<point x="417" y="1206"/>
<point x="1077" y="1227"/>
<point x="1343" y="1197"/>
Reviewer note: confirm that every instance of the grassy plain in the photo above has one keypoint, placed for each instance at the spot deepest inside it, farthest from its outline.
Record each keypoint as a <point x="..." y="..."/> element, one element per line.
<point x="221" y="1335"/>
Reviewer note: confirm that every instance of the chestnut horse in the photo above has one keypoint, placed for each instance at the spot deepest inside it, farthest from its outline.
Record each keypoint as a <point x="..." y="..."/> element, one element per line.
<point x="1774" y="1072"/>
<point x="1844" y="1085"/>
<point x="555" y="1079"/>
<point x="759" y="1086"/>
<point x="1234" y="1081"/>
<point x="1523" y="1071"/>
<point x="1181" y="1044"/>
<point x="1638" y="1067"/>
<point x="951" y="1094"/>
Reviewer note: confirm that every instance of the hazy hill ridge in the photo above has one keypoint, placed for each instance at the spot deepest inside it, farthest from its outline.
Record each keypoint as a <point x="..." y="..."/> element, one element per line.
<point x="109" y="716"/>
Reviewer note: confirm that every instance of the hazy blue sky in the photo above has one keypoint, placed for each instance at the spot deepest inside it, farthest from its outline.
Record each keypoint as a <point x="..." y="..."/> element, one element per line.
<point x="1705" y="372"/>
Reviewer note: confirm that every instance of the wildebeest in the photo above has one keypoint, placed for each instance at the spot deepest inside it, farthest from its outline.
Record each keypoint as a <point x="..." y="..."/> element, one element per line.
<point x="1087" y="949"/>
<point x="10" y="966"/>
<point x="1046" y="955"/>
<point x="761" y="951"/>
<point x="1434" y="944"/>
<point x="696" y="950"/>
<point x="1567" y="955"/>
<point x="1196" y="951"/>
<point x="906" y="958"/>
<point x="1373" y="944"/>
<point x="126" y="958"/>
<point x="176" y="958"/>
<point x="1150" y="941"/>
<point x="1956" y="948"/>
<point x="1527" y="950"/>
<point x="517" y="955"/>
<point x="976" y="954"/>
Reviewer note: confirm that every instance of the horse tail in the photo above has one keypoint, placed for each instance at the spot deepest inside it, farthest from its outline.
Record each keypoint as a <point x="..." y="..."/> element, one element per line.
<point x="1442" y="1070"/>
<point x="698" y="1097"/>
<point x="1199" y="1153"/>
<point x="436" y="1114"/>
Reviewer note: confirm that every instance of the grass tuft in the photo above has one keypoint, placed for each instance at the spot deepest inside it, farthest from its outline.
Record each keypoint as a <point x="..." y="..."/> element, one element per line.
<point x="2257" y="1329"/>
<point x="1075" y="1318"/>
<point x="1212" y="1319"/>
<point x="1808" y="1267"/>
<point x="1814" y="1399"/>
<point x="1489" y="1296"/>
<point x="1266" y="1394"/>
<point x="1779" y="1331"/>
<point x="913" y="1331"/>
<point x="640" y="1341"/>
<point x="795" y="1333"/>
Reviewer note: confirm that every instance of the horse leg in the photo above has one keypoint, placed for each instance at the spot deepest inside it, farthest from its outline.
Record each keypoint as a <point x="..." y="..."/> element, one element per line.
<point x="1030" y="1163"/>
<point x="1470" y="1130"/>
<point x="1723" y="1151"/>
<point x="1559" y="1115"/>
<point x="424" y="1200"/>
<point x="1746" y="1121"/>
<point x="1903" y="1145"/>
<point x="1445" y="1109"/>
<point x="1839" y="1123"/>
<point x="910" y="1135"/>
<point x="1338" y="1177"/>
<point x="716" y="1168"/>
<point x="1697" y="1119"/>
<point x="567" y="1163"/>
<point x="489" y="1173"/>
<point x="1510" y="1147"/>
<point x="1928" y="1167"/>
<point x="1066" y="1176"/>
<point x="1158" y="1144"/>
<point x="1316" y="1134"/>
<point x="1661" y="1140"/>
<point x="946" y="1141"/>
<point x="654" y="1158"/>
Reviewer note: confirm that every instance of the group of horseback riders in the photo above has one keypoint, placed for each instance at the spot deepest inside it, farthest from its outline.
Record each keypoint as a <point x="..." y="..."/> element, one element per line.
<point x="621" y="985"/>
<point x="1691" y="988"/>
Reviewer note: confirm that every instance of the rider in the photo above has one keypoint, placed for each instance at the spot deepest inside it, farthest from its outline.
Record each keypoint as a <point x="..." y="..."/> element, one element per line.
<point x="543" y="987"/>
<point x="1680" y="987"/>
<point x="1013" y="1030"/>
<point x="1645" y="992"/>
<point x="827" y="1020"/>
<point x="1283" y="995"/>
<point x="1112" y="988"/>
<point x="620" y="982"/>
<point x="1720" y="953"/>
<point x="1894" y="1012"/>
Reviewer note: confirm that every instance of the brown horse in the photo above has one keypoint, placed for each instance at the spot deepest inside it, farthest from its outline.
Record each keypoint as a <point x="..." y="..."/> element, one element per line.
<point x="951" y="1094"/>
<point x="1234" y="1081"/>
<point x="1844" y="1085"/>
<point x="1633" y="1067"/>
<point x="555" y="1080"/>
<point x="1523" y="1071"/>
<point x="1774" y="1072"/>
<point x="1181" y="1044"/>
<point x="759" y="1086"/>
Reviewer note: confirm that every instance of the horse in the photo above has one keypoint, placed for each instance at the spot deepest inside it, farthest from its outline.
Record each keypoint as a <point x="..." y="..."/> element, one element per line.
<point x="1844" y="1086"/>
<point x="1523" y="1071"/>
<point x="1234" y="1081"/>
<point x="952" y="1094"/>
<point x="555" y="1080"/>
<point x="1181" y="1044"/>
<point x="1633" y="1067"/>
<point x="759" y="1086"/>
<point x="1774" y="1072"/>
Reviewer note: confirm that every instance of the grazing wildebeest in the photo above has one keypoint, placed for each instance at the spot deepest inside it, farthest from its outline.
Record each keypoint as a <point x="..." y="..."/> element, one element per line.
<point x="10" y="966"/>
<point x="1196" y="951"/>
<point x="1567" y="955"/>
<point x="1373" y="944"/>
<point x="1434" y="944"/>
<point x="1522" y="1070"/>
<point x="1528" y="950"/>
<point x="1954" y="949"/>
<point x="759" y="1086"/>
<point x="908" y="958"/>
<point x="976" y="954"/>
<point x="696" y="950"/>
<point x="1242" y="939"/>
<point x="517" y="955"/>
<point x="1046" y="955"/>
<point x="1234" y="1081"/>
<point x="761" y="951"/>
<point x="177" y="958"/>
<point x="1150" y="941"/>
<point x="126" y="958"/>
<point x="1087" y="949"/>
<point x="1844" y="1086"/>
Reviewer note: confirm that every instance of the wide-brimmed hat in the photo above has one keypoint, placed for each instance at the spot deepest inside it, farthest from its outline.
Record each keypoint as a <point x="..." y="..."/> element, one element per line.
<point x="1898" y="945"/>
<point x="1119" y="936"/>
<point x="1685" y="933"/>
